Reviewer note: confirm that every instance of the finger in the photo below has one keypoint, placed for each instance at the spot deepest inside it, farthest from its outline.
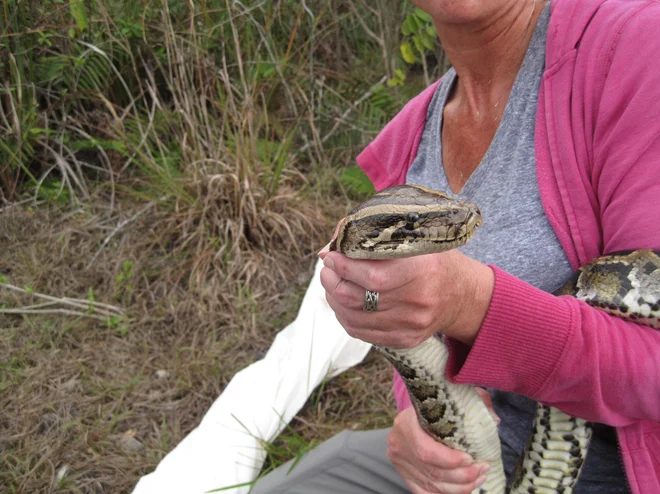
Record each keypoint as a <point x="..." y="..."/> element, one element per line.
<point x="371" y="332"/>
<point x="431" y="478"/>
<point x="444" y="488"/>
<point x="346" y="318"/>
<point x="415" y="488"/>
<point x="378" y="276"/>
<point x="414" y="477"/>
<point x="430" y="487"/>
<point x="433" y="453"/>
<point x="458" y="476"/>
<point x="485" y="396"/>
<point x="346" y="293"/>
<point x="406" y="430"/>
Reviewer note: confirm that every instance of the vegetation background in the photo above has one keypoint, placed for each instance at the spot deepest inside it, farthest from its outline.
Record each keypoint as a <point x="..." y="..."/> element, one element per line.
<point x="168" y="171"/>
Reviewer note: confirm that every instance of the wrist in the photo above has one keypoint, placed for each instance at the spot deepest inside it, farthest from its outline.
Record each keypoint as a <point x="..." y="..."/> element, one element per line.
<point x="478" y="285"/>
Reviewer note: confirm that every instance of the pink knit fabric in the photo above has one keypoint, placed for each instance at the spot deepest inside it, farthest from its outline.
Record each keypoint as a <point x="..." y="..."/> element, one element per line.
<point x="598" y="167"/>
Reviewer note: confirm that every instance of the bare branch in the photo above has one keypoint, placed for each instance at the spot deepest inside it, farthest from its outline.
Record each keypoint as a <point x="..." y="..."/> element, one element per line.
<point x="104" y="309"/>
<point x="54" y="311"/>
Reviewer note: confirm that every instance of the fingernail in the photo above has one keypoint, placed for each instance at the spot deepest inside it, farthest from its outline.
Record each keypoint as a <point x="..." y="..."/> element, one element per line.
<point x="467" y="460"/>
<point x="484" y="469"/>
<point x="329" y="263"/>
<point x="494" y="415"/>
<point x="481" y="480"/>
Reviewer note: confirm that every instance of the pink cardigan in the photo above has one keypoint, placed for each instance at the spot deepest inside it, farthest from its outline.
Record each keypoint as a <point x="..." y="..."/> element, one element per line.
<point x="598" y="167"/>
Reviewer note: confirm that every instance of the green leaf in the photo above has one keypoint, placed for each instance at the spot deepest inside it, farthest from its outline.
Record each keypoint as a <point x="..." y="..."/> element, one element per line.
<point x="428" y="42"/>
<point x="411" y="21"/>
<point x="423" y="15"/>
<point x="79" y="13"/>
<point x="432" y="31"/>
<point x="407" y="53"/>
<point x="394" y="81"/>
<point x="52" y="190"/>
<point x="354" y="178"/>
<point x="419" y="45"/>
<point x="113" y="322"/>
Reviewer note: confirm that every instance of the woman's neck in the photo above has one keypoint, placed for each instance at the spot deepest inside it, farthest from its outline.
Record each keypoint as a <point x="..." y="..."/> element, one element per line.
<point x="488" y="53"/>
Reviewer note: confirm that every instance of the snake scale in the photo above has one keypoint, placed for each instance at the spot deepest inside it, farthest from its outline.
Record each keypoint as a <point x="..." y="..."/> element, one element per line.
<point x="411" y="220"/>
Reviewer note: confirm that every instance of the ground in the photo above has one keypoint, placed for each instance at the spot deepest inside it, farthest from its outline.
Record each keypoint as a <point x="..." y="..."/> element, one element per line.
<point x="88" y="406"/>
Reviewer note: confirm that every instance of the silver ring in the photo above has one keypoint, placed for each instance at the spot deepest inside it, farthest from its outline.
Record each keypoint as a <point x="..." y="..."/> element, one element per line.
<point x="370" y="301"/>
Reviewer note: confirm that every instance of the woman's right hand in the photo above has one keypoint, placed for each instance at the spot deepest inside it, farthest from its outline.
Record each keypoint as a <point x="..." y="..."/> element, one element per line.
<point x="427" y="466"/>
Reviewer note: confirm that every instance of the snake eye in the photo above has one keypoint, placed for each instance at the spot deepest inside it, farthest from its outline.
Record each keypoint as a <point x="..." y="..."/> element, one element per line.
<point x="411" y="219"/>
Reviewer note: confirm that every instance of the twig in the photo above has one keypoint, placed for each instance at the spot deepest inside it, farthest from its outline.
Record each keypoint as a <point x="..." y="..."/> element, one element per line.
<point x="77" y="303"/>
<point x="38" y="306"/>
<point x="339" y="121"/>
<point x="94" y="304"/>
<point x="53" y="311"/>
<point x="15" y="204"/>
<point x="121" y="225"/>
<point x="379" y="39"/>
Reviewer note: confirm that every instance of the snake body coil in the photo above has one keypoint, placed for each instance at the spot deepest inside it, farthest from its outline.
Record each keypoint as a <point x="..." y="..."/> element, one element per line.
<point x="411" y="220"/>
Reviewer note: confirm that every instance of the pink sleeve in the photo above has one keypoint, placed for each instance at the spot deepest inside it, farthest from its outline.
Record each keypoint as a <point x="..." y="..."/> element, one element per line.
<point x="558" y="350"/>
<point x="564" y="353"/>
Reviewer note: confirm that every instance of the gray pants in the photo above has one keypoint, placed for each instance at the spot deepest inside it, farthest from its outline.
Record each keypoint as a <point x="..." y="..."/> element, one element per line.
<point x="348" y="463"/>
<point x="357" y="463"/>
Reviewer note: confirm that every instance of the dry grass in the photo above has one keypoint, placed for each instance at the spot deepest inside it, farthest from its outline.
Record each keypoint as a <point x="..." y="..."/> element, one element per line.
<point x="89" y="408"/>
<point x="200" y="188"/>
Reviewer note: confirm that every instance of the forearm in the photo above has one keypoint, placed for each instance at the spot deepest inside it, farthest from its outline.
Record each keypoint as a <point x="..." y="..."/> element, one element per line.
<point x="563" y="353"/>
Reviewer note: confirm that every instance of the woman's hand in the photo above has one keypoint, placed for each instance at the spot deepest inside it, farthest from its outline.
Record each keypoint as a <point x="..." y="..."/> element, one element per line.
<point x="419" y="296"/>
<point x="428" y="466"/>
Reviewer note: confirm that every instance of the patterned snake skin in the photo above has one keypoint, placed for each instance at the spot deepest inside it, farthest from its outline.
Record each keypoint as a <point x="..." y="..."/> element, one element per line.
<point x="410" y="220"/>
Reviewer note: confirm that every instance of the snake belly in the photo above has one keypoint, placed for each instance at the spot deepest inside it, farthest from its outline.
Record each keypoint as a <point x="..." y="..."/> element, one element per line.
<point x="411" y="220"/>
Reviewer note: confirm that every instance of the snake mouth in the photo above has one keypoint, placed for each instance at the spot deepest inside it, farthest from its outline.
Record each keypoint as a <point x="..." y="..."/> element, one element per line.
<point x="473" y="220"/>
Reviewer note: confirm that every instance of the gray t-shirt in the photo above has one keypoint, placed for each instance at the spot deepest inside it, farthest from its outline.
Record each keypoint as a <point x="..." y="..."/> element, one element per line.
<point x="517" y="237"/>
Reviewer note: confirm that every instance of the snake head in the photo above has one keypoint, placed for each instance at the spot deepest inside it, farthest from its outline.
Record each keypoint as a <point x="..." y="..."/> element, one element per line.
<point x="405" y="221"/>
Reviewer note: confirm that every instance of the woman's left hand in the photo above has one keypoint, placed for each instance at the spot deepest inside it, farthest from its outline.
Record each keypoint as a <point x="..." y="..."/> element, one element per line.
<point x="419" y="296"/>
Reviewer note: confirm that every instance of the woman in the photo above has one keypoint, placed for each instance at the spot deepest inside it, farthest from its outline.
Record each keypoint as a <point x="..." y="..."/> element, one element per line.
<point x="550" y="122"/>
